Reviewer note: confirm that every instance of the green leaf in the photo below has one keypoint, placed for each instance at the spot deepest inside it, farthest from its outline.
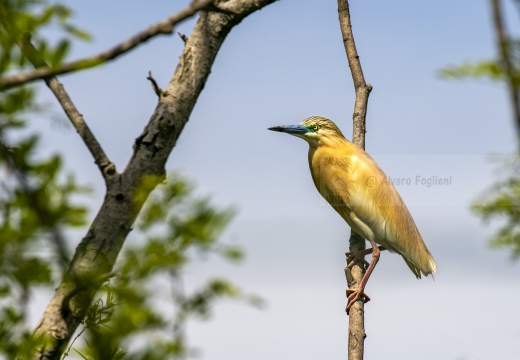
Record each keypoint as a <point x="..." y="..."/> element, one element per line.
<point x="76" y="32"/>
<point x="81" y="354"/>
<point x="232" y="253"/>
<point x="46" y="16"/>
<point x="490" y="69"/>
<point x="32" y="271"/>
<point x="59" y="53"/>
<point x="502" y="202"/>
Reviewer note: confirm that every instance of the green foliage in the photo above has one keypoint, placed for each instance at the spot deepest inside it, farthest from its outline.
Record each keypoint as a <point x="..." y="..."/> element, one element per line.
<point x="35" y="197"/>
<point x="98" y="314"/>
<point x="35" y="207"/>
<point x="502" y="202"/>
<point x="33" y="17"/>
<point x="133" y="316"/>
<point x="150" y="305"/>
<point x="486" y="69"/>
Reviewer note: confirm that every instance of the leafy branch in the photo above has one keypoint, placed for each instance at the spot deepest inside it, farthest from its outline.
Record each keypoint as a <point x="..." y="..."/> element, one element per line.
<point x="174" y="229"/>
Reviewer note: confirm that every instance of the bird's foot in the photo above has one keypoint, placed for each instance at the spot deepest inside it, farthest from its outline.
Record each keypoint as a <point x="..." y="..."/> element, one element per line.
<point x="355" y="256"/>
<point x="355" y="295"/>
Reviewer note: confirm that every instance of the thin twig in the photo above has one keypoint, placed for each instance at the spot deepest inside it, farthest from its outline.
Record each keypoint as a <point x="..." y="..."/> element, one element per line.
<point x="505" y="55"/>
<point x="164" y="27"/>
<point x="183" y="37"/>
<point x="23" y="40"/>
<point x="155" y="86"/>
<point x="356" y="339"/>
<point x="66" y="353"/>
<point x="362" y="88"/>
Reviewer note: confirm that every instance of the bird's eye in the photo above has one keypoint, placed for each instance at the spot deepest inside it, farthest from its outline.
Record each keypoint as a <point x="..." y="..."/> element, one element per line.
<point x="316" y="127"/>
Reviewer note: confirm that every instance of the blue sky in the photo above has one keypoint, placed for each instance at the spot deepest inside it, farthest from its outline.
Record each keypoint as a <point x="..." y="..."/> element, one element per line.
<point x="279" y="66"/>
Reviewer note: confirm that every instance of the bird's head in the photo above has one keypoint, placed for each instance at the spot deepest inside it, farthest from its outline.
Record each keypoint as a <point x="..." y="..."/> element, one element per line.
<point x="316" y="130"/>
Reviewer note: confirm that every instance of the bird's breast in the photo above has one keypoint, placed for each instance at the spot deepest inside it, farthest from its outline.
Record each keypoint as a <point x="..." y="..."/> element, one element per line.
<point x="331" y="174"/>
<point x="341" y="176"/>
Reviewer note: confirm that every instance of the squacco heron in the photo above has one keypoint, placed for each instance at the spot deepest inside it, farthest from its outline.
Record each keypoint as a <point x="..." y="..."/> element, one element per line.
<point x="354" y="185"/>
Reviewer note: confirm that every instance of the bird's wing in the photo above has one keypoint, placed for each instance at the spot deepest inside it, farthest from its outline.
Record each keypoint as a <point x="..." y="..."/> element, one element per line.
<point x="374" y="208"/>
<point x="377" y="203"/>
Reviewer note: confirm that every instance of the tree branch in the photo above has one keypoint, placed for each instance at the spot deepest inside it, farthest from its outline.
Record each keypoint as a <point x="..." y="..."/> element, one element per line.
<point x="23" y="40"/>
<point x="357" y="334"/>
<point x="164" y="27"/>
<point x="502" y="42"/>
<point x="126" y="192"/>
<point x="156" y="88"/>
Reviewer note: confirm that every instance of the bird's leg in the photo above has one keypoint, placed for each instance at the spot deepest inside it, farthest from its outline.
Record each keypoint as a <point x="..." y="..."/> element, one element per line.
<point x="353" y="256"/>
<point x="357" y="293"/>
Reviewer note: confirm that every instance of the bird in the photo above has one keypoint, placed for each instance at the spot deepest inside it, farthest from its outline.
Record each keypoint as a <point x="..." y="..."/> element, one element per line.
<point x="364" y="196"/>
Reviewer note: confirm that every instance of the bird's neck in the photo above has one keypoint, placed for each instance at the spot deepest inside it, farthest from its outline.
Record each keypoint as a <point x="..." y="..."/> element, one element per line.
<point x="327" y="149"/>
<point x="325" y="141"/>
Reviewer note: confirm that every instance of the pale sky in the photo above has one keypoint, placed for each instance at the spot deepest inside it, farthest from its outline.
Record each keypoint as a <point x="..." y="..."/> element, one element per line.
<point x="279" y="66"/>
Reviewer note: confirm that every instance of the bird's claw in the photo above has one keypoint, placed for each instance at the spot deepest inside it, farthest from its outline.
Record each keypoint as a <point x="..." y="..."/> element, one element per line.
<point x="353" y="257"/>
<point x="355" y="295"/>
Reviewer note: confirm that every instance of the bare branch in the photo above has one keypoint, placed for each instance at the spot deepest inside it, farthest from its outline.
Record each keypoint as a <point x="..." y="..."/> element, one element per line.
<point x="183" y="37"/>
<point x="505" y="55"/>
<point x="155" y="86"/>
<point x="126" y="192"/>
<point x="356" y="339"/>
<point x="23" y="40"/>
<point x="164" y="27"/>
<point x="362" y="88"/>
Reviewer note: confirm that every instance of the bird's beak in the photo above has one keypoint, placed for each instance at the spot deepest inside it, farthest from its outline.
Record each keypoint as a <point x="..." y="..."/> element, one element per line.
<point x="291" y="129"/>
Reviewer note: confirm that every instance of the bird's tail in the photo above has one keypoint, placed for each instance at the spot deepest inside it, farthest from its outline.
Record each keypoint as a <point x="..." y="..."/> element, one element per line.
<point x="425" y="264"/>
